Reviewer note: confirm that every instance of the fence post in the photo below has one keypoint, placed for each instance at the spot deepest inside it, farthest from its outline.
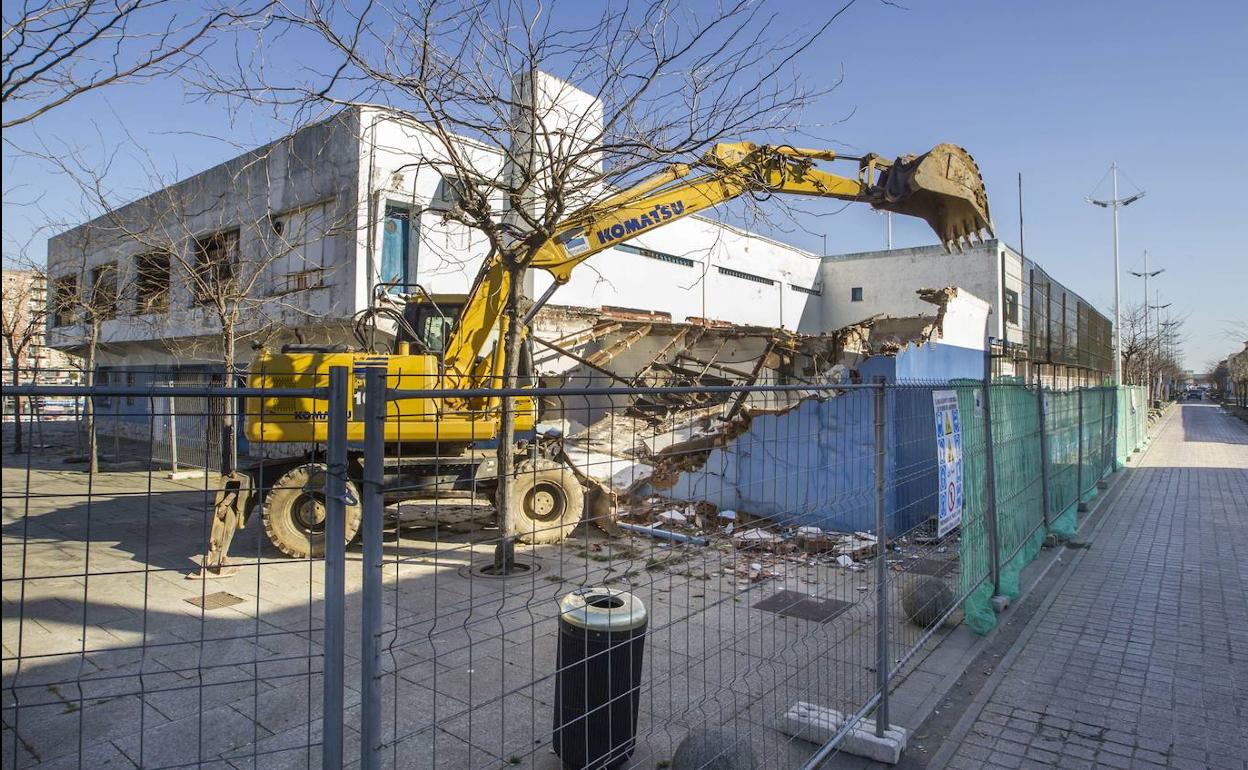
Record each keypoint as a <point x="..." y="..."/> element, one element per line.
<point x="173" y="433"/>
<point x="370" y="629"/>
<point x="990" y="477"/>
<point x="335" y="567"/>
<point x="1044" y="457"/>
<point x="882" y="666"/>
<point x="1079" y="475"/>
<point x="116" y="429"/>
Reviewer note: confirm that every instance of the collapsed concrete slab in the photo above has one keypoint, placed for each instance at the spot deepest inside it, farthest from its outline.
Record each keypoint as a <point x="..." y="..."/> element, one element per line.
<point x="803" y="457"/>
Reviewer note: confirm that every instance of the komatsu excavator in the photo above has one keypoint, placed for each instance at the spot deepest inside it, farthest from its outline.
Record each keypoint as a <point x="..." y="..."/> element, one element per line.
<point x="455" y="344"/>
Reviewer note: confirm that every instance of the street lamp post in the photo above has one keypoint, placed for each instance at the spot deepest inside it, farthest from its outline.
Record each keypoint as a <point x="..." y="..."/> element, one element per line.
<point x="1148" y="373"/>
<point x="1115" y="204"/>
<point x="1160" y="339"/>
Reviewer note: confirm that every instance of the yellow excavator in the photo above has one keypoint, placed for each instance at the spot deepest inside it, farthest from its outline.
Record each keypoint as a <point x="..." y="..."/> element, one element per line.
<point x="455" y="343"/>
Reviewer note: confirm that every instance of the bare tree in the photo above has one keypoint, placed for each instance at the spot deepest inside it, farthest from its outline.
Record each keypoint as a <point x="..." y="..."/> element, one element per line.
<point x="86" y="288"/>
<point x="24" y="315"/>
<point x="211" y="264"/>
<point x="57" y="50"/>
<point x="522" y="151"/>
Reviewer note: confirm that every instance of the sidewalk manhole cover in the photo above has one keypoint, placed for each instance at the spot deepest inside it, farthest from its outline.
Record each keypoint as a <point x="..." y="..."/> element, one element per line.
<point x="795" y="604"/>
<point x="216" y="601"/>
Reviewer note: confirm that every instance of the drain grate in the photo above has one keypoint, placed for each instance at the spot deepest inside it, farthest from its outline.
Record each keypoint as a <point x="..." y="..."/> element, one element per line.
<point x="933" y="567"/>
<point x="795" y="604"/>
<point x="217" y="601"/>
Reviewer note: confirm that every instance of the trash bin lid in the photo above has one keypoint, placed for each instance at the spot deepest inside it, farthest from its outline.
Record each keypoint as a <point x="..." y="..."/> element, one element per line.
<point x="602" y="609"/>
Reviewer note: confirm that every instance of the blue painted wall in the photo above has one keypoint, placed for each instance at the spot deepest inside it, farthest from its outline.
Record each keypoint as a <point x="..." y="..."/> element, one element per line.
<point x="815" y="465"/>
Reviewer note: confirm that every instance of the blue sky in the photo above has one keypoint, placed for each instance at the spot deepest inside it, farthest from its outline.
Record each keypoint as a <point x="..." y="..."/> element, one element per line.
<point x="1053" y="90"/>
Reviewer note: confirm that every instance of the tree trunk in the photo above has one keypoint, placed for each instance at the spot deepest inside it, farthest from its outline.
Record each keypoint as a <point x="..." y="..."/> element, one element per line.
<point x="505" y="552"/>
<point x="17" y="412"/>
<point x="93" y="444"/>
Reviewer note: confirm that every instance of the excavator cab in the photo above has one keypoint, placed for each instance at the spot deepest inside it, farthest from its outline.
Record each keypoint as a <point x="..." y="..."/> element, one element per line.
<point x="431" y="318"/>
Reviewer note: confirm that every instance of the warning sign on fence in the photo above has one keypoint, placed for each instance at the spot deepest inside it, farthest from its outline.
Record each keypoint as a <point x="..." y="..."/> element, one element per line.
<point x="948" y="460"/>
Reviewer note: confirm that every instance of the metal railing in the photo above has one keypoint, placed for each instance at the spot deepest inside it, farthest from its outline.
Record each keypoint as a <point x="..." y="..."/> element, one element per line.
<point x="797" y="550"/>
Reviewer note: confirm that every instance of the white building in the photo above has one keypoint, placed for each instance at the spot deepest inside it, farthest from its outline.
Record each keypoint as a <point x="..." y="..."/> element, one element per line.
<point x="1041" y="329"/>
<point x="311" y="223"/>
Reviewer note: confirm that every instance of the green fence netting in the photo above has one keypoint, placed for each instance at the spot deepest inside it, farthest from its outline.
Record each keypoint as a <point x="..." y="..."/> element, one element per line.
<point x="1078" y="439"/>
<point x="1132" y="421"/>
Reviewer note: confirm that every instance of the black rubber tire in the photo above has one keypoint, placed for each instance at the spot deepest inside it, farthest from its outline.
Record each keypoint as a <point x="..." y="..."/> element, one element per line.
<point x="549" y="502"/>
<point x="291" y="512"/>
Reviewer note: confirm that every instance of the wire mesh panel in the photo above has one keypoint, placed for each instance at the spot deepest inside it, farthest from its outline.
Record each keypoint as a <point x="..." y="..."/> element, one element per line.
<point x="644" y="565"/>
<point x="729" y="515"/>
<point x="112" y="657"/>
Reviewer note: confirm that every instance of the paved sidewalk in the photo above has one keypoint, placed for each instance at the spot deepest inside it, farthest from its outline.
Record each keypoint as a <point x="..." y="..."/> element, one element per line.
<point x="1141" y="660"/>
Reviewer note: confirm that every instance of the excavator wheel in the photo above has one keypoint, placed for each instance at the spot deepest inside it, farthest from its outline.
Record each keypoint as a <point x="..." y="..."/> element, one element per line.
<point x="294" y="512"/>
<point x="549" y="501"/>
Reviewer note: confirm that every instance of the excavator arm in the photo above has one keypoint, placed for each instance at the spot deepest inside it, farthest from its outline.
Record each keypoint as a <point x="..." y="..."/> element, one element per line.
<point x="942" y="186"/>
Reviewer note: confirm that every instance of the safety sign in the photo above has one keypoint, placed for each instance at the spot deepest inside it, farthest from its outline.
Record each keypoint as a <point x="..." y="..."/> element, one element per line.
<point x="948" y="460"/>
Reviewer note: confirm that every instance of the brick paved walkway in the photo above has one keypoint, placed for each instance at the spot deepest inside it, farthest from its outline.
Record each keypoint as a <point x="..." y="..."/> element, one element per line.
<point x="1141" y="661"/>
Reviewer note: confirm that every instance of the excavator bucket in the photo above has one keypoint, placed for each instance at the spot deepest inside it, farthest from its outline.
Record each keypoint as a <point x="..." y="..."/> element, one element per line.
<point x="942" y="187"/>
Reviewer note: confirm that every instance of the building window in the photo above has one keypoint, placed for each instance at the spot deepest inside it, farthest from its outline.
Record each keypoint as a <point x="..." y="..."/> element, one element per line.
<point x="1011" y="306"/>
<point x="855" y="294"/>
<point x="102" y="378"/>
<point x="216" y="257"/>
<point x="64" y="297"/>
<point x="152" y="282"/>
<point x="130" y="383"/>
<point x="396" y="241"/>
<point x="449" y="195"/>
<point x="104" y="291"/>
<point x="745" y="276"/>
<point x="803" y="290"/>
<point x="669" y="258"/>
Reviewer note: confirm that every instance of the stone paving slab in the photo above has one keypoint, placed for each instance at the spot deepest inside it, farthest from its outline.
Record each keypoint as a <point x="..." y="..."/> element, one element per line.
<point x="102" y="644"/>
<point x="1141" y="661"/>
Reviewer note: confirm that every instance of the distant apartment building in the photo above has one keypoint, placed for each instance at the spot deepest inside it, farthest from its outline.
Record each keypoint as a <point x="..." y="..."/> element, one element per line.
<point x="24" y="308"/>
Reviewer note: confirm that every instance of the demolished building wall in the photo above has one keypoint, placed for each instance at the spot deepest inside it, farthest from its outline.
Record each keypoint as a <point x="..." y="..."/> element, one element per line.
<point x="802" y="458"/>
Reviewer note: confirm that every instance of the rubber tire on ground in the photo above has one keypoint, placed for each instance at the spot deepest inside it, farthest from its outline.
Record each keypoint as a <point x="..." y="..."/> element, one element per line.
<point x="549" y="501"/>
<point x="281" y="523"/>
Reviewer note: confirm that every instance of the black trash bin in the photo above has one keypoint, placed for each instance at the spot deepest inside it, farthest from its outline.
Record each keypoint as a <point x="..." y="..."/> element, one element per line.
<point x="602" y="639"/>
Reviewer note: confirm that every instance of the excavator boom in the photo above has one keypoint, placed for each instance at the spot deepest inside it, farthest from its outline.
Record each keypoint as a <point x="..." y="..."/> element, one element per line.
<point x="943" y="187"/>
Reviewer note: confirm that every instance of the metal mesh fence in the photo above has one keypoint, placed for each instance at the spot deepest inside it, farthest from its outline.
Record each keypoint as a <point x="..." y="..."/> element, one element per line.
<point x="753" y="568"/>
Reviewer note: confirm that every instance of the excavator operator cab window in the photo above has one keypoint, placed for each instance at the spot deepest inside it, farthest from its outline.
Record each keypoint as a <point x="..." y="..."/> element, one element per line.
<point x="431" y="326"/>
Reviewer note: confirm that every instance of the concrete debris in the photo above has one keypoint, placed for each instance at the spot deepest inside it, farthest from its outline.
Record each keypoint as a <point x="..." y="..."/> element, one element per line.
<point x="755" y="535"/>
<point x="674" y="517"/>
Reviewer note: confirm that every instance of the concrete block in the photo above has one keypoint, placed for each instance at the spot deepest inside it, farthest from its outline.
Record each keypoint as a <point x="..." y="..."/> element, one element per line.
<point x="1084" y="507"/>
<point x="1000" y="603"/>
<point x="818" y="724"/>
<point x="1102" y="484"/>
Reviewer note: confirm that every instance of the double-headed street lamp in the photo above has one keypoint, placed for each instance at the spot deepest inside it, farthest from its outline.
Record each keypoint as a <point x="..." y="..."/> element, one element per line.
<point x="1115" y="204"/>
<point x="1148" y="374"/>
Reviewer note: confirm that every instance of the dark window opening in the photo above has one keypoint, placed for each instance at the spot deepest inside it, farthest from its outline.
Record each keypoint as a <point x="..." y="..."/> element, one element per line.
<point x="1011" y="306"/>
<point x="64" y="297"/>
<point x="450" y="195"/>
<point x="152" y="282"/>
<point x="216" y="257"/>
<point x="855" y="294"/>
<point x="745" y="276"/>
<point x="669" y="258"/>
<point x="130" y="383"/>
<point x="104" y="291"/>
